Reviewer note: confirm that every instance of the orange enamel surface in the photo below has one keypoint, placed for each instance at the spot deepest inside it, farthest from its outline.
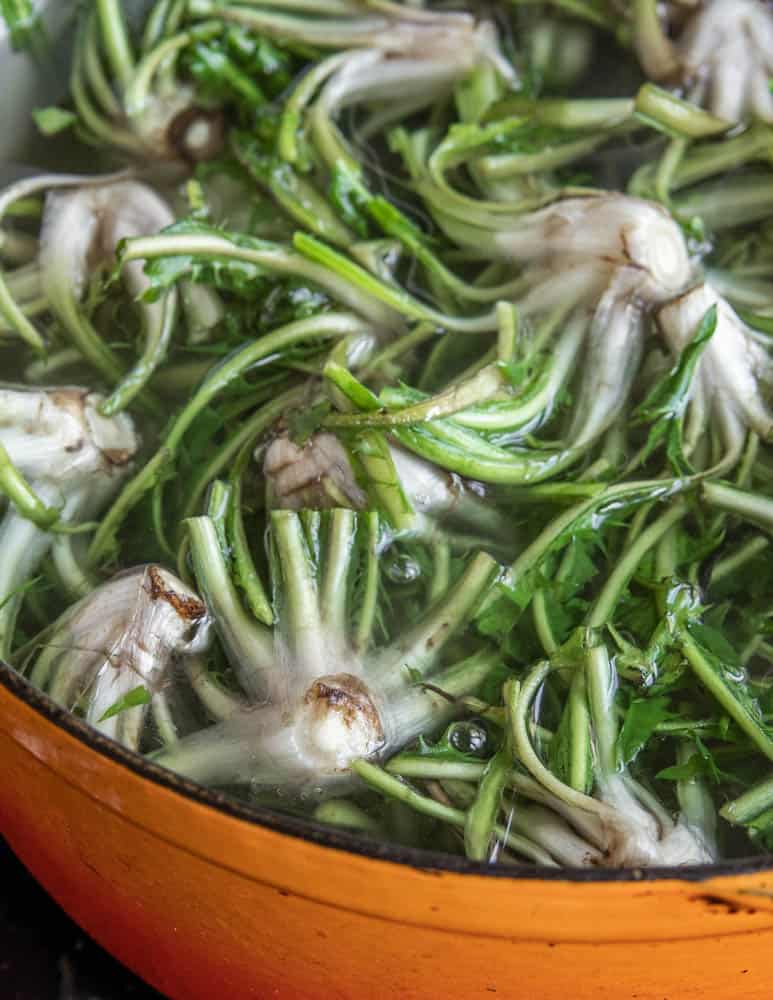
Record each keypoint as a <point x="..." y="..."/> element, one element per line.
<point x="206" y="905"/>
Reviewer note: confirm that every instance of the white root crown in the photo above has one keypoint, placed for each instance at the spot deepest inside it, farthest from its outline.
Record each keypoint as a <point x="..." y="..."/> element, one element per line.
<point x="734" y="365"/>
<point x="599" y="236"/>
<point x="58" y="438"/>
<point x="723" y="55"/>
<point x="82" y="228"/>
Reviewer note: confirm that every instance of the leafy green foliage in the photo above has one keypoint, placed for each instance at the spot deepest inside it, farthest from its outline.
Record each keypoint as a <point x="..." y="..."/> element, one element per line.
<point x="666" y="404"/>
<point x="303" y="423"/>
<point x="242" y="277"/>
<point x="23" y="23"/>
<point x="240" y="67"/>
<point x="702" y="764"/>
<point x="642" y="718"/>
<point x="137" y="696"/>
<point x="350" y="198"/>
<point x="51" y="121"/>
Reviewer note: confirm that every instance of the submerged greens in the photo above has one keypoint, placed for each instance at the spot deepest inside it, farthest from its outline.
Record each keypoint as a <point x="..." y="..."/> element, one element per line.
<point x="385" y="416"/>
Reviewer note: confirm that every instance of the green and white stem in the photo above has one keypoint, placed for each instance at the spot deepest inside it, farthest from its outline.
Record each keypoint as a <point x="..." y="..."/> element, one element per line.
<point x="139" y="105"/>
<point x="722" y="55"/>
<point x="332" y="700"/>
<point x="60" y="462"/>
<point x="81" y="231"/>
<point x="728" y="385"/>
<point x="633" y="834"/>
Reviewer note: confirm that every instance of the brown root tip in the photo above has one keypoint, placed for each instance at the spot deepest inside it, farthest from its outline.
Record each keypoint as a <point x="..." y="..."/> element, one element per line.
<point x="345" y="694"/>
<point x="189" y="608"/>
<point x="197" y="134"/>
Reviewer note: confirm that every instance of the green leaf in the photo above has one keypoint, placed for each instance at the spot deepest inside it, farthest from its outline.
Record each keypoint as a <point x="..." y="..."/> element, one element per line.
<point x="23" y="23"/>
<point x="302" y="423"/>
<point x="241" y="277"/>
<point x="666" y="404"/>
<point x="51" y="121"/>
<point x="462" y="742"/>
<point x="641" y="720"/>
<point x="715" y="642"/>
<point x="241" y="67"/>
<point x="499" y="617"/>
<point x="350" y="198"/>
<point x="577" y="567"/>
<point x="137" y="696"/>
<point x="219" y="77"/>
<point x="700" y="765"/>
<point x="717" y="667"/>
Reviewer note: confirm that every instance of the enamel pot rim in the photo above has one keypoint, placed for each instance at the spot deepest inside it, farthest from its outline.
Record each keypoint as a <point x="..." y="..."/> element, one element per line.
<point x="316" y="833"/>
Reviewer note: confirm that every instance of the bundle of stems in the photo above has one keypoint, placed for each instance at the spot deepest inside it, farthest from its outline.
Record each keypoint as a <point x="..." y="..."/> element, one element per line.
<point x="409" y="458"/>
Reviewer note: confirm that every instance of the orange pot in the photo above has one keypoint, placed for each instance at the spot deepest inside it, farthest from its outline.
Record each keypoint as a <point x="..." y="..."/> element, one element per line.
<point x="204" y="898"/>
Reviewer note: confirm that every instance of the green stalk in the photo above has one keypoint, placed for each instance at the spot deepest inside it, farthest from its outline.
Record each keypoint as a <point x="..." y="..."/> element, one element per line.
<point x="567" y="113"/>
<point x="272" y="257"/>
<point x="675" y="115"/>
<point x="581" y="755"/>
<point x="709" y="159"/>
<point x="373" y="462"/>
<point x="250" y="645"/>
<point x="392" y="787"/>
<point x="389" y="295"/>
<point x="329" y="32"/>
<point x="297" y="102"/>
<point x="158" y="336"/>
<point x="365" y="613"/>
<point x="414" y="765"/>
<point x="420" y="645"/>
<point x="601" y="682"/>
<point x="542" y="624"/>
<point x="82" y="332"/>
<point x="604" y="606"/>
<point x="246" y="573"/>
<point x="116" y="41"/>
<point x="381" y="362"/>
<point x="441" y="570"/>
<point x="336" y="566"/>
<point x="480" y="821"/>
<point x="655" y="50"/>
<point x="695" y="800"/>
<point x="100" y="86"/>
<point x="561" y="529"/>
<point x="296" y="195"/>
<point x="731" y="563"/>
<point x="100" y="129"/>
<point x="482" y="386"/>
<point x="751" y="804"/>
<point x="723" y="683"/>
<point x="138" y="94"/>
<point x="26" y="501"/>
<point x="749" y="506"/>
<point x="297" y="600"/>
<point x="471" y="456"/>
<point x="518" y="704"/>
<point x="729" y="201"/>
<point x="506" y="165"/>
<point x="341" y="812"/>
<point x="156" y="24"/>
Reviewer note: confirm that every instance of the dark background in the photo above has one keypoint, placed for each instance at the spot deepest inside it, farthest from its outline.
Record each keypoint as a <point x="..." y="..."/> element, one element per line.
<point x="45" y="956"/>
